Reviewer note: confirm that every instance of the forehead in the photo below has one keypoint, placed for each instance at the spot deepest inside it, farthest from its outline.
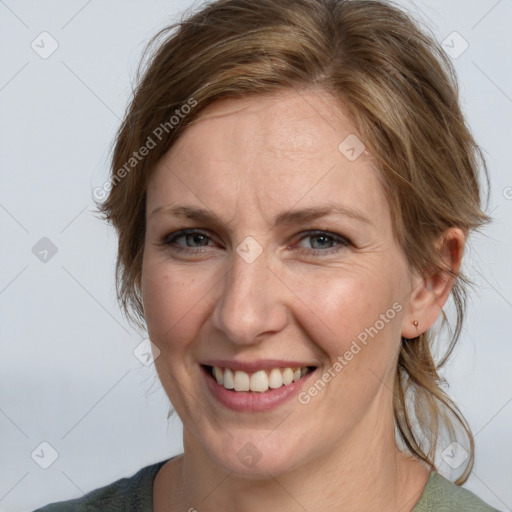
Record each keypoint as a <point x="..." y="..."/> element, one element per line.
<point x="273" y="151"/>
<point x="288" y="121"/>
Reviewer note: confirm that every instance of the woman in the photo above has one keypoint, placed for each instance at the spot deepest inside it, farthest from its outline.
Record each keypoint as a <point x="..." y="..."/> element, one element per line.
<point x="302" y="373"/>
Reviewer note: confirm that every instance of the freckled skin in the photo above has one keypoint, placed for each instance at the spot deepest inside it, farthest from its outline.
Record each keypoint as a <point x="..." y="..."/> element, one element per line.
<point x="247" y="161"/>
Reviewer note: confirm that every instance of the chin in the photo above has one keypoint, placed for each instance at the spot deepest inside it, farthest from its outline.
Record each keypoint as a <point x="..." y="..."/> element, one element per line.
<point x="255" y="456"/>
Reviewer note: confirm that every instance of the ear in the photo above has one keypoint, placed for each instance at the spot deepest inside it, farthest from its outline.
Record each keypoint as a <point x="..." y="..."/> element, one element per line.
<point x="429" y="294"/>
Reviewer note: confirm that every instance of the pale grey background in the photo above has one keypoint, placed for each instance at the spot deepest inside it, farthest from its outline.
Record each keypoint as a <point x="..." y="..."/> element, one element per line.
<point x="68" y="375"/>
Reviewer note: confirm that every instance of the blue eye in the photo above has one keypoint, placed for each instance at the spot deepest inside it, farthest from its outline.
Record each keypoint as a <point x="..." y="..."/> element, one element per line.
<point x="196" y="240"/>
<point x="325" y="238"/>
<point x="190" y="235"/>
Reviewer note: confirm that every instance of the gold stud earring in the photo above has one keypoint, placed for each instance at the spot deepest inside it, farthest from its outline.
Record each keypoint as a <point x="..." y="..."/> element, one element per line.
<point x="416" y="323"/>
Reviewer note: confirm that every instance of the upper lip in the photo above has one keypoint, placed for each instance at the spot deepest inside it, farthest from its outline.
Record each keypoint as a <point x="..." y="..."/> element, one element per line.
<point x="253" y="366"/>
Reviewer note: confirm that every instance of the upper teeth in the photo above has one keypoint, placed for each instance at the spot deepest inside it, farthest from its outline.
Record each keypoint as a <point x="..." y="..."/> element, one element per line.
<point x="259" y="381"/>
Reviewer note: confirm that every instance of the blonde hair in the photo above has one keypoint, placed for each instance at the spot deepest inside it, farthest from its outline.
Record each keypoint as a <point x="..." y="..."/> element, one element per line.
<point x="401" y="92"/>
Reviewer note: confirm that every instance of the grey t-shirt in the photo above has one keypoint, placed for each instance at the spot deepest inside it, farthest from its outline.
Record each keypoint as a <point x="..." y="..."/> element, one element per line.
<point x="135" y="494"/>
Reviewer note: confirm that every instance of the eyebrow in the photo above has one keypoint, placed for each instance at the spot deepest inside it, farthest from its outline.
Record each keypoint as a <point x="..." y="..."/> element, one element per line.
<point x="288" y="217"/>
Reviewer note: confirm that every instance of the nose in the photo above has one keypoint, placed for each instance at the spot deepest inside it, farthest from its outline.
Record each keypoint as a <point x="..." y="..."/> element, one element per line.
<point x="250" y="304"/>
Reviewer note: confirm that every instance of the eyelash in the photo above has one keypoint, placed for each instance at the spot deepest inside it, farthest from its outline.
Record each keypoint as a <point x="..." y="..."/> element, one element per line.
<point x="342" y="241"/>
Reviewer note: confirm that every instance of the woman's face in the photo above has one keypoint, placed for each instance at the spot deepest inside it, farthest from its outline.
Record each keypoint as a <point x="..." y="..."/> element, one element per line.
<point x="258" y="284"/>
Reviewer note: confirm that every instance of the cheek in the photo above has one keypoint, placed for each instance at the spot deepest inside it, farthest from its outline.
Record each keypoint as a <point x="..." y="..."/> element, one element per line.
<point x="172" y="301"/>
<point x="345" y="306"/>
<point x="356" y="324"/>
<point x="172" y="305"/>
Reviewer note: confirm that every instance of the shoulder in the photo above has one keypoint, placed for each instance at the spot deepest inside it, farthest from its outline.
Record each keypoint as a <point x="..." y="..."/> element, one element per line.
<point x="441" y="495"/>
<point x="133" y="493"/>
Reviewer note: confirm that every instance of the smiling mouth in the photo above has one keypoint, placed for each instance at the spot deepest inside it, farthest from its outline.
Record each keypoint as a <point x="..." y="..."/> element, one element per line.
<point x="259" y="381"/>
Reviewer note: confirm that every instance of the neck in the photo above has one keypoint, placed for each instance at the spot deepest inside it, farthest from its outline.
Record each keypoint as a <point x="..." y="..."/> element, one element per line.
<point x="364" y="472"/>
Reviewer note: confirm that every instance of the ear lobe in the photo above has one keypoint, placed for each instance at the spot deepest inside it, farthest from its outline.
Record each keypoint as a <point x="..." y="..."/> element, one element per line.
<point x="430" y="293"/>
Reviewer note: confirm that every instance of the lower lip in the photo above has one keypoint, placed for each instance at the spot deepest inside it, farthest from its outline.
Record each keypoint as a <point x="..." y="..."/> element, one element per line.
<point x="252" y="400"/>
